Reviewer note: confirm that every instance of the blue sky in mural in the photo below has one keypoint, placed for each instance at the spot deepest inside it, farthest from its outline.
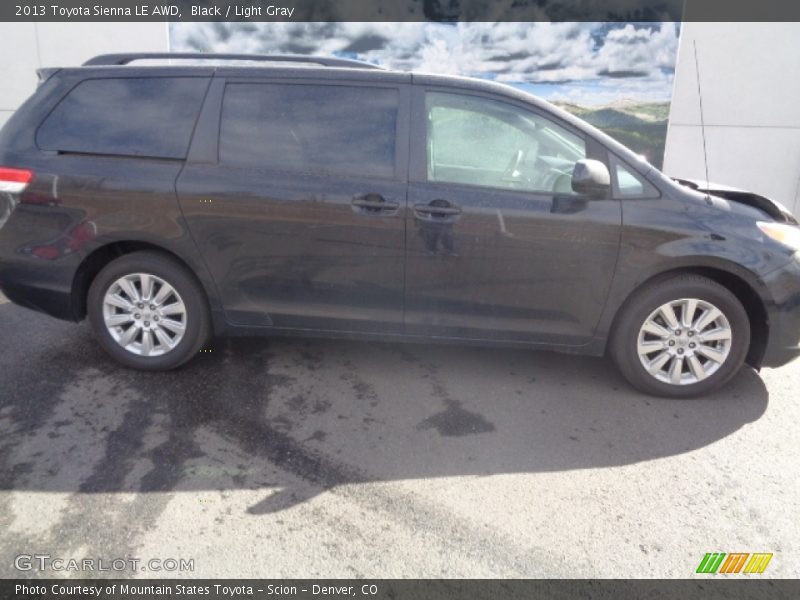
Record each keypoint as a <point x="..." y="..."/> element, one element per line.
<point x="590" y="64"/>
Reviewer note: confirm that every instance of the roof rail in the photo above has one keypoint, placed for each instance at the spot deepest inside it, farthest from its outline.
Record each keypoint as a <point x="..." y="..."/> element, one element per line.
<point x="124" y="59"/>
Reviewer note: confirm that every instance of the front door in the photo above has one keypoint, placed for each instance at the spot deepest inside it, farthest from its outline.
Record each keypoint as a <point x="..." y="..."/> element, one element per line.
<point x="300" y="219"/>
<point x="498" y="245"/>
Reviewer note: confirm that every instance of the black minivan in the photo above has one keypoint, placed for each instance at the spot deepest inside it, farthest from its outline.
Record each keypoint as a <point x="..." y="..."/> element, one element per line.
<point x="323" y="196"/>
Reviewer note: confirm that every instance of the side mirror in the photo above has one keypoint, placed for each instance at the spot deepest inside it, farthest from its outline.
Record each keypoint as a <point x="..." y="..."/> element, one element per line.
<point x="591" y="178"/>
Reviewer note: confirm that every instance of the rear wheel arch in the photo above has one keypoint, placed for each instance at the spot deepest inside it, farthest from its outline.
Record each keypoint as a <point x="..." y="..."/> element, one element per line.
<point x="94" y="262"/>
<point x="737" y="285"/>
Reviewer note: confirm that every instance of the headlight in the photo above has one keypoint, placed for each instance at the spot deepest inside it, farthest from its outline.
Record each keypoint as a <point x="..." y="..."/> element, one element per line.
<point x="788" y="235"/>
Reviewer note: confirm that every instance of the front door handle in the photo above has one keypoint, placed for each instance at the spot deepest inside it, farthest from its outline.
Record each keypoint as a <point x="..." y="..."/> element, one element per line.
<point x="374" y="203"/>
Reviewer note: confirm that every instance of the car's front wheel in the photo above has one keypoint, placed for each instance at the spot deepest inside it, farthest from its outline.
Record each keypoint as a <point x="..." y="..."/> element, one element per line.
<point x="681" y="337"/>
<point x="148" y="311"/>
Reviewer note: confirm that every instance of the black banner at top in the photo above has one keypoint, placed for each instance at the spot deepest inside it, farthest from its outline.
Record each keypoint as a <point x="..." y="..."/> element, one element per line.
<point x="400" y="10"/>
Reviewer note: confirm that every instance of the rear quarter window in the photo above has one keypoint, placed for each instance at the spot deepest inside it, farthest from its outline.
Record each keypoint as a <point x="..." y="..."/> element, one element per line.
<point x="148" y="117"/>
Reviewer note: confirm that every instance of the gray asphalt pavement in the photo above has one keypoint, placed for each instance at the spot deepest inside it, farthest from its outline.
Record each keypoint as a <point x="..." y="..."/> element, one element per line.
<point x="321" y="458"/>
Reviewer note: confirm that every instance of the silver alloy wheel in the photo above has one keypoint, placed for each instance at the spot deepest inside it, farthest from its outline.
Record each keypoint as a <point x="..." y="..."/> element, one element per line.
<point x="684" y="341"/>
<point x="144" y="314"/>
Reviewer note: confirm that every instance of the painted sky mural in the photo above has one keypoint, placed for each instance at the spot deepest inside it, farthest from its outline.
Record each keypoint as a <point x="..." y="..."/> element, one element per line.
<point x="617" y="76"/>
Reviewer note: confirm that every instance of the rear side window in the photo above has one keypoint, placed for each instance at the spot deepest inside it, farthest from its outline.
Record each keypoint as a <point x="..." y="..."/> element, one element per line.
<point x="310" y="128"/>
<point x="149" y="117"/>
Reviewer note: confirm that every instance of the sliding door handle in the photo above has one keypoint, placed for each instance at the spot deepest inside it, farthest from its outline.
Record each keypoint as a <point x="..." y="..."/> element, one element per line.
<point x="443" y="211"/>
<point x="374" y="203"/>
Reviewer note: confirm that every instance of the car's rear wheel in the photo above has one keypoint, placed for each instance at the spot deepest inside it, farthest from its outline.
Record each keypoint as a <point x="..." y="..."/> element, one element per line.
<point x="681" y="337"/>
<point x="148" y="311"/>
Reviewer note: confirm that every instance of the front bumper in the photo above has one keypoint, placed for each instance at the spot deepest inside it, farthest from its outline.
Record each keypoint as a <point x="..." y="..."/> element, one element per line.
<point x="783" y="315"/>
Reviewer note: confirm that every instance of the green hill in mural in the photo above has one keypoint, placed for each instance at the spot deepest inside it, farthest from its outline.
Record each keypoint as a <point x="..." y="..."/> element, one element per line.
<point x="641" y="126"/>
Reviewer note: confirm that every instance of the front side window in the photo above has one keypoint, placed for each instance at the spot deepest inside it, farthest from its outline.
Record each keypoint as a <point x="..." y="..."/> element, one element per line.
<point x="629" y="184"/>
<point x="476" y="141"/>
<point x="310" y="128"/>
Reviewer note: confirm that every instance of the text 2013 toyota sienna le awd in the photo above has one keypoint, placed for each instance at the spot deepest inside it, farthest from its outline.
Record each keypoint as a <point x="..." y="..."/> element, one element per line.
<point x="328" y="197"/>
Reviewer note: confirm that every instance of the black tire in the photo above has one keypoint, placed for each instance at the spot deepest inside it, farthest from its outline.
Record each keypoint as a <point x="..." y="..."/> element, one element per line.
<point x="197" y="319"/>
<point x="643" y="303"/>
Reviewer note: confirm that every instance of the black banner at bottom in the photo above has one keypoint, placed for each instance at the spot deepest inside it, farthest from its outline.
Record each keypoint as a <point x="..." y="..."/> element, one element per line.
<point x="394" y="589"/>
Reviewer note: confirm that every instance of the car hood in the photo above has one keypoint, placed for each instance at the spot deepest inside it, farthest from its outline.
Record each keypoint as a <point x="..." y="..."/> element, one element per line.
<point x="773" y="208"/>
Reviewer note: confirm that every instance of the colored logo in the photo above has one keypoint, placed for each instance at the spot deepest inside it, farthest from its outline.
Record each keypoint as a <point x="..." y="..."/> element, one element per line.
<point x="735" y="562"/>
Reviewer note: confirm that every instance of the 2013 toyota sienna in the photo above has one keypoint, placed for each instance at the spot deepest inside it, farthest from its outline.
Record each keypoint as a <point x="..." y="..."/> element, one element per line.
<point x="322" y="196"/>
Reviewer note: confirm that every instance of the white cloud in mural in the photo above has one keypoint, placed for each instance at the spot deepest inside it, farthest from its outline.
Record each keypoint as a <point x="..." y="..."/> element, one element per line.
<point x="581" y="62"/>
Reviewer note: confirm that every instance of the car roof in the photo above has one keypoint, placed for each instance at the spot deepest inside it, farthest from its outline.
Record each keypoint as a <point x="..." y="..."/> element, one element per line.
<point x="272" y="71"/>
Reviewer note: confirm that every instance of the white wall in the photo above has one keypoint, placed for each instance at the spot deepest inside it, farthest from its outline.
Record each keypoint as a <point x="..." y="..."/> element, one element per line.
<point x="750" y="84"/>
<point x="25" y="47"/>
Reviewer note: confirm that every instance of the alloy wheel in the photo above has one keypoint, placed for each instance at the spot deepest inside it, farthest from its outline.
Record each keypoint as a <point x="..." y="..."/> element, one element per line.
<point x="144" y="314"/>
<point x="684" y="341"/>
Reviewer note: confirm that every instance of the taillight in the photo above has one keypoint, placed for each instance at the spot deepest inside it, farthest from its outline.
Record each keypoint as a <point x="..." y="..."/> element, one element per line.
<point x="14" y="181"/>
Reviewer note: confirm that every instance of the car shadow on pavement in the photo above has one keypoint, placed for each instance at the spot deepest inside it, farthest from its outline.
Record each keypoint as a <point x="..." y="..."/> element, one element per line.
<point x="299" y="417"/>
